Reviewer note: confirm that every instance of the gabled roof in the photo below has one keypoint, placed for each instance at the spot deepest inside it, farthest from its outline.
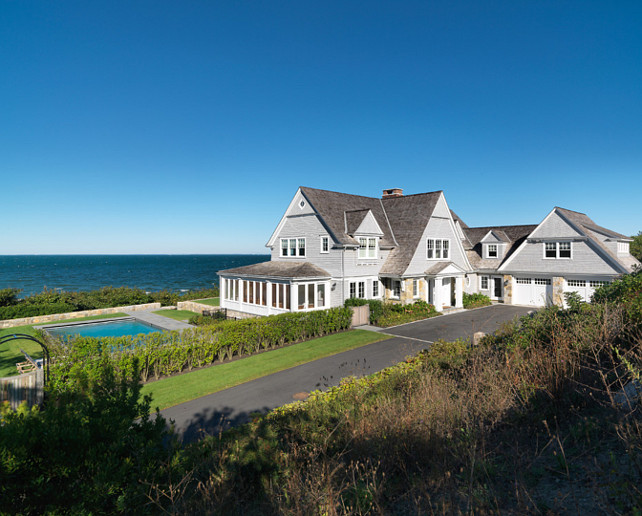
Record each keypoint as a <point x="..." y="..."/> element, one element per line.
<point x="408" y="216"/>
<point x="279" y="269"/>
<point x="333" y="206"/>
<point x="513" y="236"/>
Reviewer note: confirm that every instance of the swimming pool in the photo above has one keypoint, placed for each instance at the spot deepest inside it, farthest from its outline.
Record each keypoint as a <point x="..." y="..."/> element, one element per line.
<point x="113" y="328"/>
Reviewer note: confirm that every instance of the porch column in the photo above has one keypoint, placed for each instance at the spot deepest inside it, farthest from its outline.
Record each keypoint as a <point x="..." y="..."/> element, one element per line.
<point x="459" y="288"/>
<point x="241" y="290"/>
<point x="268" y="295"/>
<point x="222" y="289"/>
<point x="437" y="295"/>
<point x="294" y="287"/>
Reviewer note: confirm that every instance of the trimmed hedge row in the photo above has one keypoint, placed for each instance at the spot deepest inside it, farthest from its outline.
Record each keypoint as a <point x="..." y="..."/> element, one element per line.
<point x="167" y="353"/>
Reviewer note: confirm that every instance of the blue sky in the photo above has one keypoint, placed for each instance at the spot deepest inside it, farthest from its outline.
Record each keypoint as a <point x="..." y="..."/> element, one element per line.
<point x="186" y="127"/>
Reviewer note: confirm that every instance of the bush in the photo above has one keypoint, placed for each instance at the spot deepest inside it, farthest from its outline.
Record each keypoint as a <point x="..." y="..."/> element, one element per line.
<point x="29" y="310"/>
<point x="476" y="300"/>
<point x="8" y="296"/>
<point x="626" y="291"/>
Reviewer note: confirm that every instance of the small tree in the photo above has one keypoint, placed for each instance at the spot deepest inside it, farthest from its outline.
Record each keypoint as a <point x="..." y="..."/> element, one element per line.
<point x="636" y="246"/>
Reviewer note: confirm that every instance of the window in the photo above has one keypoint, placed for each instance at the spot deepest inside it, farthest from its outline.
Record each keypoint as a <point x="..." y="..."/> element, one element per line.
<point x="542" y="281"/>
<point x="523" y="281"/>
<point x="293" y="247"/>
<point x="623" y="248"/>
<point x="492" y="251"/>
<point x="353" y="289"/>
<point x="301" y="298"/>
<point x="596" y="284"/>
<point x="557" y="250"/>
<point x="367" y="247"/>
<point x="311" y="295"/>
<point x="325" y="244"/>
<point x="396" y="288"/>
<point x="576" y="283"/>
<point x="375" y="288"/>
<point x="483" y="282"/>
<point x="415" y="288"/>
<point x="437" y="249"/>
<point x="362" y="289"/>
<point x="320" y="295"/>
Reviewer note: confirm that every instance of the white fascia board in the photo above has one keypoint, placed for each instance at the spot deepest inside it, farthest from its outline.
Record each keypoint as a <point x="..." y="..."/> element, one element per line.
<point x="457" y="241"/>
<point x="272" y="239"/>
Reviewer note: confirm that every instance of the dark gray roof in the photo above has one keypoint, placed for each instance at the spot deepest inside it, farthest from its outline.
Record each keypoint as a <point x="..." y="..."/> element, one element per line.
<point x="354" y="219"/>
<point x="512" y="235"/>
<point x="332" y="207"/>
<point x="456" y="218"/>
<point x="408" y="216"/>
<point x="279" y="269"/>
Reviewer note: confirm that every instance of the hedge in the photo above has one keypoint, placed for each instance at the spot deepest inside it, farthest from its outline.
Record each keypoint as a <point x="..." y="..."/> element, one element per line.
<point x="167" y="353"/>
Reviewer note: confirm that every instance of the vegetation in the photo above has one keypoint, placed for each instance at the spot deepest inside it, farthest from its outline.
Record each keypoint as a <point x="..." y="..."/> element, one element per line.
<point x="167" y="353"/>
<point x="636" y="246"/>
<point x="178" y="389"/>
<point x="178" y="315"/>
<point x="213" y="301"/>
<point x="385" y="314"/>
<point x="54" y="301"/>
<point x="475" y="300"/>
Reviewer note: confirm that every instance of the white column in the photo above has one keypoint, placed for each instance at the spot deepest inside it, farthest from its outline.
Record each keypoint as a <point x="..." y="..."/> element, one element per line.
<point x="222" y="291"/>
<point x="241" y="290"/>
<point x="437" y="295"/>
<point x="459" y="287"/>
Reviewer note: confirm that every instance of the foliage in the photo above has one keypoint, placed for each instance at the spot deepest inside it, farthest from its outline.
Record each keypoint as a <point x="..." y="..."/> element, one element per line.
<point x="476" y="300"/>
<point x="626" y="291"/>
<point x="355" y="301"/>
<point x="87" y="451"/>
<point x="390" y="314"/>
<point x="167" y="353"/>
<point x="205" y="320"/>
<point x="54" y="301"/>
<point x="635" y="247"/>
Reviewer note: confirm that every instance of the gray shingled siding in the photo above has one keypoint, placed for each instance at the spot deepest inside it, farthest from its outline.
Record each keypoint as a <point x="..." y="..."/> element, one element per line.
<point x="585" y="261"/>
<point x="555" y="227"/>
<point x="369" y="226"/>
<point x="436" y="228"/>
<point x="473" y="287"/>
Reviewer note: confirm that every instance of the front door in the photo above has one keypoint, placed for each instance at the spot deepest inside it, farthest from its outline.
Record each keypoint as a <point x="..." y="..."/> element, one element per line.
<point x="497" y="288"/>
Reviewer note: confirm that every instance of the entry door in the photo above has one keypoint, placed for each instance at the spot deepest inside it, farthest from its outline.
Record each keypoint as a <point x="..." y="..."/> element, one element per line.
<point x="497" y="288"/>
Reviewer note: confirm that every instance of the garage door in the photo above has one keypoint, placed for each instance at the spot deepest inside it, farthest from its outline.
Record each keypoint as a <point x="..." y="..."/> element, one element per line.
<point x="584" y="287"/>
<point x="533" y="291"/>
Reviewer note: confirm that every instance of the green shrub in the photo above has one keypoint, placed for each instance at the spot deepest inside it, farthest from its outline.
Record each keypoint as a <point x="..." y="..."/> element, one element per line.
<point x="29" y="310"/>
<point x="476" y="300"/>
<point x="627" y="291"/>
<point x="8" y="296"/>
<point x="355" y="301"/>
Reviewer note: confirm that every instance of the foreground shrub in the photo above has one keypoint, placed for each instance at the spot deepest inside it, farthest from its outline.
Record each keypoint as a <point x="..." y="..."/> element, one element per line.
<point x="163" y="354"/>
<point x="476" y="300"/>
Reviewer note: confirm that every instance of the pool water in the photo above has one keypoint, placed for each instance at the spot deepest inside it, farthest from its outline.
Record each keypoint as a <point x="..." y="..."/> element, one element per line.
<point x="104" y="329"/>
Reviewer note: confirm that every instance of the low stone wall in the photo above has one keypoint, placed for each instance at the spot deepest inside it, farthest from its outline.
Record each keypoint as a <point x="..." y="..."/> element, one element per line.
<point x="193" y="306"/>
<point x="44" y="319"/>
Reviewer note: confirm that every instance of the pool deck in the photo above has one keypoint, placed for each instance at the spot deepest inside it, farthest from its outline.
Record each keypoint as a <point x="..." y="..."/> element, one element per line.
<point x="158" y="320"/>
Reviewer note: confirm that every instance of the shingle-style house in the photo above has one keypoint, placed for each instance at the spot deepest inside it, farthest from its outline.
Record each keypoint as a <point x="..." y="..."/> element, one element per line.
<point x="331" y="246"/>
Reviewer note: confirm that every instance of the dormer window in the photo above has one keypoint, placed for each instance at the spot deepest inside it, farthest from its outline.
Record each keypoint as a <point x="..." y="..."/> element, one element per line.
<point x="557" y="250"/>
<point x="623" y="248"/>
<point x="367" y="247"/>
<point x="491" y="251"/>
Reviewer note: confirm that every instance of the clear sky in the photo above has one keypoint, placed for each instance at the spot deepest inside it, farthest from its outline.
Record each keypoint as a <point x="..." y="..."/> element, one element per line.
<point x="187" y="126"/>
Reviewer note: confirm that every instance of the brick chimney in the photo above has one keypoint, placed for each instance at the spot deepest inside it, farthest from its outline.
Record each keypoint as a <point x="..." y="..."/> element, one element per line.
<point x="392" y="192"/>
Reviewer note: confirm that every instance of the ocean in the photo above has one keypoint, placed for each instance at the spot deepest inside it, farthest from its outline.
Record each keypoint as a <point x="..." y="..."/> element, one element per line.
<point x="31" y="273"/>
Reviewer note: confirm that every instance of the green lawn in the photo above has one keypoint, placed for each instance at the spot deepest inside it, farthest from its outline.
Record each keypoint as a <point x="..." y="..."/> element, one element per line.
<point x="212" y="301"/>
<point x="10" y="352"/>
<point x="179" y="315"/>
<point x="178" y="389"/>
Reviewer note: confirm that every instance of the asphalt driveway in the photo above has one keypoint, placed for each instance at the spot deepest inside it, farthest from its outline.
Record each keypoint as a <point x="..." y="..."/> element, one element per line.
<point x="211" y="414"/>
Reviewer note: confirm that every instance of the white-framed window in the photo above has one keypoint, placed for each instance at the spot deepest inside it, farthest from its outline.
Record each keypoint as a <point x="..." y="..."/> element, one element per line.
<point x="415" y="288"/>
<point x="437" y="249"/>
<point x="491" y="251"/>
<point x="576" y="283"/>
<point x="375" y="288"/>
<point x="395" y="289"/>
<point x="467" y="281"/>
<point x="623" y="248"/>
<point x="523" y="281"/>
<point x="292" y="247"/>
<point x="556" y="250"/>
<point x="367" y="247"/>
<point x="311" y="296"/>
<point x="353" y="289"/>
<point x="361" y="289"/>
<point x="325" y="244"/>
<point x="596" y="284"/>
<point x="483" y="282"/>
<point x="542" y="281"/>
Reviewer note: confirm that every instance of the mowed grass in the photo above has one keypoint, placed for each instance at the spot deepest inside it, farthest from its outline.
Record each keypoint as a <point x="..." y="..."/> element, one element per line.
<point x="10" y="352"/>
<point x="179" y="315"/>
<point x="212" y="301"/>
<point x="178" y="389"/>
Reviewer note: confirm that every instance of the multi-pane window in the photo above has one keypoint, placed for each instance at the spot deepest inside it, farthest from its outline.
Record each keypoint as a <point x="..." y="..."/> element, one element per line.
<point x="623" y="248"/>
<point x="415" y="288"/>
<point x="523" y="281"/>
<point x="557" y="250"/>
<point x="483" y="282"/>
<point x="375" y="288"/>
<point x="437" y="249"/>
<point x="596" y="284"/>
<point x="362" y="289"/>
<point x="254" y="292"/>
<point x="367" y="247"/>
<point x="353" y="289"/>
<point x="396" y="288"/>
<point x="320" y="295"/>
<point x="293" y="247"/>
<point x="325" y="244"/>
<point x="576" y="283"/>
<point x="492" y="251"/>
<point x="542" y="281"/>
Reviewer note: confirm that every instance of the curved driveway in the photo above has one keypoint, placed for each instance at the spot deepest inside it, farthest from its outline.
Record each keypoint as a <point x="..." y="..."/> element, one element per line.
<point x="216" y="412"/>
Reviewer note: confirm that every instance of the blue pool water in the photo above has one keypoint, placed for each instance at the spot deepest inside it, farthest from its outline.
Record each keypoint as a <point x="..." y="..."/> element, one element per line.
<point x="104" y="329"/>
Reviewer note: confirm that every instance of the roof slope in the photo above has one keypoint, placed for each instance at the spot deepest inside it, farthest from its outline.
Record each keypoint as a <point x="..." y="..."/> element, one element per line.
<point x="332" y="207"/>
<point x="280" y="269"/>
<point x="408" y="216"/>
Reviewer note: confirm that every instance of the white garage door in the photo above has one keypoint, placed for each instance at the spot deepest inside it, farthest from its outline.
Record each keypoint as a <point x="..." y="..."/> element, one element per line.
<point x="533" y="291"/>
<point x="584" y="287"/>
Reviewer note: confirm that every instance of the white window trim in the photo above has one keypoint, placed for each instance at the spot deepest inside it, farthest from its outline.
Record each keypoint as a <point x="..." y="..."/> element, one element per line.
<point x="481" y="282"/>
<point x="557" y="250"/>
<point x="434" y="248"/>
<point x="375" y="283"/>
<point x="367" y="248"/>
<point x="306" y="284"/>
<point x="296" y="247"/>
<point x="326" y="238"/>
<point x="487" y="248"/>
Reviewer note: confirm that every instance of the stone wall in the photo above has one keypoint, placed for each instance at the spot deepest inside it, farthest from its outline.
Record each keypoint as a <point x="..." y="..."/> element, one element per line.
<point x="44" y="319"/>
<point x="193" y="306"/>
<point x="558" y="291"/>
<point x="508" y="289"/>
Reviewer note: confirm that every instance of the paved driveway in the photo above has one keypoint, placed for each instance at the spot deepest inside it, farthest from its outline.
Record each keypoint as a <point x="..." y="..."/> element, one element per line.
<point x="461" y="324"/>
<point x="221" y="410"/>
